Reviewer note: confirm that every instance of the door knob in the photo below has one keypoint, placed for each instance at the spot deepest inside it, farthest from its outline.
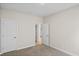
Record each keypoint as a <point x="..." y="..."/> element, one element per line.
<point x="14" y="37"/>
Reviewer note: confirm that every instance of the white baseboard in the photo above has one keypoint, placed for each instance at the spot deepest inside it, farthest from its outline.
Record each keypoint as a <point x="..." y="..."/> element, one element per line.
<point x="25" y="47"/>
<point x="64" y="51"/>
<point x="21" y="48"/>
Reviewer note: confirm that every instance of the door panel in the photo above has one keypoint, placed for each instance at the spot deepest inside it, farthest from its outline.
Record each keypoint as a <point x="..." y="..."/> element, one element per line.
<point x="45" y="34"/>
<point x="8" y="29"/>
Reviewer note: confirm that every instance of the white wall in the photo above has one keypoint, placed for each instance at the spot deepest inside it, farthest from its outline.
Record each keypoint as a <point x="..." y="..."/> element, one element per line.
<point x="25" y="27"/>
<point x="64" y="30"/>
<point x="0" y="35"/>
<point x="0" y="31"/>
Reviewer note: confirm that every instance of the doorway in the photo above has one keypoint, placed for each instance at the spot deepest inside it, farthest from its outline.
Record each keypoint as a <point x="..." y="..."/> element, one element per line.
<point x="42" y="34"/>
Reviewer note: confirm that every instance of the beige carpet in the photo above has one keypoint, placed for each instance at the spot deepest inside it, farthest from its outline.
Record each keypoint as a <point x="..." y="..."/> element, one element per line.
<point x="36" y="51"/>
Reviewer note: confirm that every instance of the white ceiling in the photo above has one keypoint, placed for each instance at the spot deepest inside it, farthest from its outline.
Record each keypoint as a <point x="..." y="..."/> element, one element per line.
<point x="37" y="8"/>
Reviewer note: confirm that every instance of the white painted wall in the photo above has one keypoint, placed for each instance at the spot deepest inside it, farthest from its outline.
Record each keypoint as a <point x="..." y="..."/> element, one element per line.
<point x="0" y="31"/>
<point x="64" y="30"/>
<point x="0" y="35"/>
<point x="25" y="27"/>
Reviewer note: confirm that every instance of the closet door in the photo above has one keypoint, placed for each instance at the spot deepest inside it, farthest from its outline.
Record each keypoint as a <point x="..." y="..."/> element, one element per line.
<point x="8" y="34"/>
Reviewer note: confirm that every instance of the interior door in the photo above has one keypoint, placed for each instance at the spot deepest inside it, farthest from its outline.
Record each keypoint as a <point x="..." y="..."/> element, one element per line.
<point x="45" y="34"/>
<point x="38" y="35"/>
<point x="8" y="29"/>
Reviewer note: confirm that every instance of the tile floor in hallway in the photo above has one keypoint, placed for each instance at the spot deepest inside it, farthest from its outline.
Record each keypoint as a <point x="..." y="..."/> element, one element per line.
<point x="36" y="51"/>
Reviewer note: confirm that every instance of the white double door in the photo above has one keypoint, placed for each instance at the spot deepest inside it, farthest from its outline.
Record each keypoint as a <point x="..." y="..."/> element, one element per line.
<point x="8" y="35"/>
